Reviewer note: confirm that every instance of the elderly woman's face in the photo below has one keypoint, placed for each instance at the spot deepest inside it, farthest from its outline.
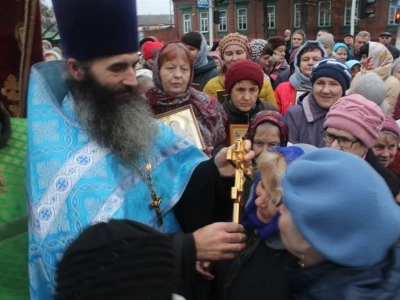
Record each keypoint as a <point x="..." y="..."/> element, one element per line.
<point x="244" y="95"/>
<point x="385" y="148"/>
<point x="266" y="137"/>
<point x="327" y="91"/>
<point x="234" y="53"/>
<point x="175" y="76"/>
<point x="341" y="53"/>
<point x="265" y="209"/>
<point x="342" y="140"/>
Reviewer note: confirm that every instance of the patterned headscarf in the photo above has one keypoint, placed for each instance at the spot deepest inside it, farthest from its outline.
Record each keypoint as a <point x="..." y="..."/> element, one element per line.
<point x="271" y="117"/>
<point x="210" y="114"/>
<point x="257" y="47"/>
<point x="234" y="39"/>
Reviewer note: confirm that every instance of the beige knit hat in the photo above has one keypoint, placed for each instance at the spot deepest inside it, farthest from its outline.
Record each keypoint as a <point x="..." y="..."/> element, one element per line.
<point x="327" y="40"/>
<point x="234" y="39"/>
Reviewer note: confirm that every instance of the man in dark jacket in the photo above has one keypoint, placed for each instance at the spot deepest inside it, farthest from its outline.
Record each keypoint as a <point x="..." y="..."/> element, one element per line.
<point x="386" y="38"/>
<point x="204" y="65"/>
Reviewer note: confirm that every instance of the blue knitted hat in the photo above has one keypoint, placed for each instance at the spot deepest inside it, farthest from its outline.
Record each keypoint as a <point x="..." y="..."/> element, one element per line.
<point x="342" y="207"/>
<point x="92" y="28"/>
<point x="332" y="68"/>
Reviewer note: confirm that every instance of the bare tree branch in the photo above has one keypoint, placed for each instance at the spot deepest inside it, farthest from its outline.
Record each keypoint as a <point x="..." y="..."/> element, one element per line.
<point x="49" y="23"/>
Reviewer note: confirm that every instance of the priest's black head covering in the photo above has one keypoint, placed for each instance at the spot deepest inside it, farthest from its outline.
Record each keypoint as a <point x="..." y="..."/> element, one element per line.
<point x="96" y="28"/>
<point x="118" y="260"/>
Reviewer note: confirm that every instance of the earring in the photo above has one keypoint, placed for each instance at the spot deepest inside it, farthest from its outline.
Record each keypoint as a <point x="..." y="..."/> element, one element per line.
<point x="301" y="261"/>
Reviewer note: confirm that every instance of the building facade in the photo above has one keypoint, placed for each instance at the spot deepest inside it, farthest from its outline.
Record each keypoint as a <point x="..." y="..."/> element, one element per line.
<point x="160" y="26"/>
<point x="247" y="17"/>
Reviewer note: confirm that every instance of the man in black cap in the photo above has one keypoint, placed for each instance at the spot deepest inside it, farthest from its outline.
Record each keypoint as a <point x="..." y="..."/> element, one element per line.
<point x="96" y="152"/>
<point x="386" y="39"/>
<point x="349" y="42"/>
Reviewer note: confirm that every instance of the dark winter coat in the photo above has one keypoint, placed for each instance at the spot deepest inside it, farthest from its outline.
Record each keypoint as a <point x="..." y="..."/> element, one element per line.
<point x="204" y="73"/>
<point x="259" y="272"/>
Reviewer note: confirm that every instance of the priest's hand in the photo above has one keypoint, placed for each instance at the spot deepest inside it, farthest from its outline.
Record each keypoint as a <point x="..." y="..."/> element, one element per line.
<point x="219" y="241"/>
<point x="224" y="167"/>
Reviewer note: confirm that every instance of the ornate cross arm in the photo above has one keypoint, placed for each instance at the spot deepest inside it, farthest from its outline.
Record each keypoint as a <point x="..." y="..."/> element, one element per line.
<point x="236" y="158"/>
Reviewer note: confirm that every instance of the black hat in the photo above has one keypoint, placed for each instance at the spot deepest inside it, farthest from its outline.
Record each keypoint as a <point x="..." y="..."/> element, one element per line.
<point x="193" y="39"/>
<point x="348" y="34"/>
<point x="90" y="29"/>
<point x="385" y="34"/>
<point x="364" y="50"/>
<point x="118" y="260"/>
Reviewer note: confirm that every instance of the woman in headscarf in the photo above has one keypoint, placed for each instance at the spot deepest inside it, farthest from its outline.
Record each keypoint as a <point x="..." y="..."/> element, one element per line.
<point x="352" y="125"/>
<point x="267" y="129"/>
<point x="330" y="79"/>
<point x="204" y="65"/>
<point x="257" y="47"/>
<point x="386" y="147"/>
<point x="375" y="57"/>
<point x="340" y="221"/>
<point x="235" y="47"/>
<point x="172" y="75"/>
<point x="307" y="56"/>
<point x="341" y="52"/>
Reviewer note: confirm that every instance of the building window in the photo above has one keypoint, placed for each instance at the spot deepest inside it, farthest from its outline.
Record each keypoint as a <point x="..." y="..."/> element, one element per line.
<point x="347" y="13"/>
<point x="324" y="14"/>
<point x="242" y="18"/>
<point x="204" y="22"/>
<point x="271" y="16"/>
<point x="392" y="13"/>
<point x="187" y="23"/>
<point x="297" y="15"/>
<point x="222" y="26"/>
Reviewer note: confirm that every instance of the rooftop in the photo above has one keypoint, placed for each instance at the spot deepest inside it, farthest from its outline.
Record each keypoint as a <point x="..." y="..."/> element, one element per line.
<point x="154" y="20"/>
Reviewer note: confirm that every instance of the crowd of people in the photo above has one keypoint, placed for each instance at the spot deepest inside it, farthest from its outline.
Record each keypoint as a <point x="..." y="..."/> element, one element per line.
<point x="121" y="205"/>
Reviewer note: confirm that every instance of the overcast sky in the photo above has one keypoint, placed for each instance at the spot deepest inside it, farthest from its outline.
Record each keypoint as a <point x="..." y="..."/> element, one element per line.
<point x="152" y="7"/>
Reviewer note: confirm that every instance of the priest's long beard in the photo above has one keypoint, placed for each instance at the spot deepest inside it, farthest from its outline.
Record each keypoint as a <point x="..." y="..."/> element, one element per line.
<point x="117" y="119"/>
